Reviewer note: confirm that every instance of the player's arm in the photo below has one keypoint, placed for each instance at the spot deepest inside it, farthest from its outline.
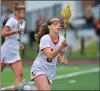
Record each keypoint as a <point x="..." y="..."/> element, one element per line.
<point x="53" y="53"/>
<point x="8" y="26"/>
<point x="61" y="58"/>
<point x="7" y="32"/>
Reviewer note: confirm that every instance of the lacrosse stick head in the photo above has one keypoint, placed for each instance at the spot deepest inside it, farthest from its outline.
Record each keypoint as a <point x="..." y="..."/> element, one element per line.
<point x="66" y="14"/>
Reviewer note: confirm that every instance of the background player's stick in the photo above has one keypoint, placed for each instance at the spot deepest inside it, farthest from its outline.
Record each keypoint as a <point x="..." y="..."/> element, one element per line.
<point x="66" y="15"/>
<point x="21" y="26"/>
<point x="19" y="39"/>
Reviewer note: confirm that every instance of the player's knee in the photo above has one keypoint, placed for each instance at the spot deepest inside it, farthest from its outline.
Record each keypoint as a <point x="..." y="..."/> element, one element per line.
<point x="19" y="75"/>
<point x="44" y="88"/>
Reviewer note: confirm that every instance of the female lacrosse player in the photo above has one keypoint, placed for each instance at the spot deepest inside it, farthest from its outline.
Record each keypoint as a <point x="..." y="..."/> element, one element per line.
<point x="51" y="47"/>
<point x="10" y="49"/>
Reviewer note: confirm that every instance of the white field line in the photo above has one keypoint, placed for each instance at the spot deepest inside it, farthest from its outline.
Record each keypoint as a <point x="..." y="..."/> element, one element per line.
<point x="64" y="76"/>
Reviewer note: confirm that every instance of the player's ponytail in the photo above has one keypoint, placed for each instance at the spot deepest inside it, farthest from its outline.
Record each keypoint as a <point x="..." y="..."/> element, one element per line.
<point x="43" y="30"/>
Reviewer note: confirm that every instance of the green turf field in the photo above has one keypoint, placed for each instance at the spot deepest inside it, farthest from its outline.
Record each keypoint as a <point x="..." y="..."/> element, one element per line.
<point x="88" y="81"/>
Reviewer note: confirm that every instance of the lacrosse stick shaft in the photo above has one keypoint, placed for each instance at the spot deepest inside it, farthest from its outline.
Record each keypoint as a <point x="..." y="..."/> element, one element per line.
<point x="65" y="28"/>
<point x="66" y="14"/>
<point x="19" y="35"/>
<point x="19" y="39"/>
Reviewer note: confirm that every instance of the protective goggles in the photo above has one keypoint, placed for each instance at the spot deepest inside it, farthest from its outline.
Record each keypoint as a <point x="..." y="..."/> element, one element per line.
<point x="19" y="9"/>
<point x="55" y="22"/>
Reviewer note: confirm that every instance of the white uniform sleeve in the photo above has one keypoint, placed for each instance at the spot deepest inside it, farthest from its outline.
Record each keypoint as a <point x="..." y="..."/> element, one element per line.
<point x="10" y="23"/>
<point x="44" y="43"/>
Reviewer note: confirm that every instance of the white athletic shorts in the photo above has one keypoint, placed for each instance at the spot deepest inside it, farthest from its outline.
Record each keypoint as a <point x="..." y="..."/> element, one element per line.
<point x="8" y="58"/>
<point x="37" y="72"/>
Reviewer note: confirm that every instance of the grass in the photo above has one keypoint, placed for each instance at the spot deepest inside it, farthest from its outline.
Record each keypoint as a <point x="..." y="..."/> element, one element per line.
<point x="62" y="70"/>
<point x="31" y="52"/>
<point x="90" y="52"/>
<point x="7" y="76"/>
<point x="82" y="82"/>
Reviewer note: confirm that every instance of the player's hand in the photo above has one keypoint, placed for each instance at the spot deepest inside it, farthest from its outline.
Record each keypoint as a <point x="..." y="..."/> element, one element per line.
<point x="19" y="32"/>
<point x="64" y="62"/>
<point x="22" y="46"/>
<point x="64" y="43"/>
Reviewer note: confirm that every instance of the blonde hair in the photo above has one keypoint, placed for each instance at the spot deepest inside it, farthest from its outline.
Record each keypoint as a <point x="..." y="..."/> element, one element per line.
<point x="16" y="4"/>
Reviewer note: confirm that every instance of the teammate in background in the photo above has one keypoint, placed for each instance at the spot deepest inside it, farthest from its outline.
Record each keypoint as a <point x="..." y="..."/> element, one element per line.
<point x="10" y="48"/>
<point x="51" y="47"/>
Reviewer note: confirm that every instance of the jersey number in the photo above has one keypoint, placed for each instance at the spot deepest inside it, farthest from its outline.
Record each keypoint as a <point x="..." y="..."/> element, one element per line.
<point x="48" y="59"/>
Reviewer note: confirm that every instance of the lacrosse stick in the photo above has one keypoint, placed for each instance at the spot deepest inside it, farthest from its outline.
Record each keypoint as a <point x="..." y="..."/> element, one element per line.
<point x="66" y="15"/>
<point x="21" y="27"/>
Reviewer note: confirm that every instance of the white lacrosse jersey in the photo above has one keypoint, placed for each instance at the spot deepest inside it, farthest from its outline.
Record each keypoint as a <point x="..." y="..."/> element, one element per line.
<point x="11" y="43"/>
<point x="41" y="63"/>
